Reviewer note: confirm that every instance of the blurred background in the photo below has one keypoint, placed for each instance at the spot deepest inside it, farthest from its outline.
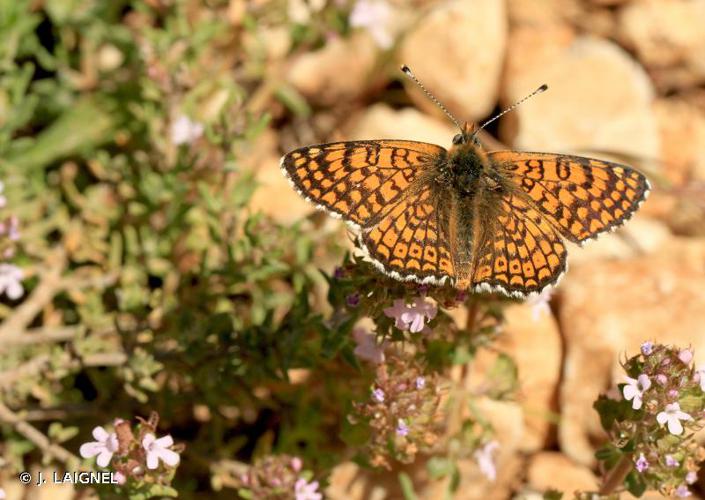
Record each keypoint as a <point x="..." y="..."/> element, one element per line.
<point x="155" y="259"/>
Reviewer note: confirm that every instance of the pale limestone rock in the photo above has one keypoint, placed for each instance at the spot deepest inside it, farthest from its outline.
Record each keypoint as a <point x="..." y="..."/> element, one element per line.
<point x="599" y="99"/>
<point x="350" y="482"/>
<point x="669" y="39"/>
<point x="532" y="339"/>
<point x="457" y="51"/>
<point x="608" y="310"/>
<point x="341" y="70"/>
<point x="382" y="122"/>
<point x="639" y="235"/>
<point x="553" y="470"/>
<point x="682" y="129"/>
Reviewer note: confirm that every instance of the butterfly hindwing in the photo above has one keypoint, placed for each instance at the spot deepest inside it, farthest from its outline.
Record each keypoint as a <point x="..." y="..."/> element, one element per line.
<point x="358" y="180"/>
<point x="411" y="242"/>
<point x="583" y="197"/>
<point x="521" y="253"/>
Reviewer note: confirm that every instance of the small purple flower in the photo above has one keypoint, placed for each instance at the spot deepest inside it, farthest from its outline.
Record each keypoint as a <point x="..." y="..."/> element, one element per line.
<point x="647" y="348"/>
<point x="402" y="428"/>
<point x="641" y="464"/>
<point x="485" y="459"/>
<point x="11" y="281"/>
<point x="104" y="446"/>
<point x="398" y="308"/>
<point x="691" y="477"/>
<point x="378" y="395"/>
<point x="671" y="462"/>
<point x="367" y="347"/>
<point x="634" y="390"/>
<point x="411" y="317"/>
<point x="296" y="464"/>
<point x="682" y="491"/>
<point x="339" y="273"/>
<point x="353" y="300"/>
<point x="303" y="490"/>
<point x="672" y="416"/>
<point x="417" y="313"/>
<point x="540" y="304"/>
<point x="686" y="356"/>
<point x="120" y="478"/>
<point x="420" y="382"/>
<point x="158" y="449"/>
<point x="185" y="131"/>
<point x="672" y="393"/>
<point x="661" y="379"/>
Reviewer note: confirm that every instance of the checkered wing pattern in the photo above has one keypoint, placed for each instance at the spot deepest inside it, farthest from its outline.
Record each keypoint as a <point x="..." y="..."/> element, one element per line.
<point x="582" y="197"/>
<point x="359" y="181"/>
<point x="520" y="252"/>
<point x="411" y="242"/>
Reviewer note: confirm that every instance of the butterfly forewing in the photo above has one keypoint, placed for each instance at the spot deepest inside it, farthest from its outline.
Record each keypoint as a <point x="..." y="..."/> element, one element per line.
<point x="583" y="197"/>
<point x="360" y="180"/>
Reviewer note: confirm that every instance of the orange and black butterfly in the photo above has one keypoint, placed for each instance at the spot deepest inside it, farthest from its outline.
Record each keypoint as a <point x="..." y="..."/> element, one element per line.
<point x="482" y="221"/>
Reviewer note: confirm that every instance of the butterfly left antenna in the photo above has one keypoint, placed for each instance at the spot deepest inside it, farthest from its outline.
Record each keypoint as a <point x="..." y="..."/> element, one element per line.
<point x="408" y="73"/>
<point x="542" y="88"/>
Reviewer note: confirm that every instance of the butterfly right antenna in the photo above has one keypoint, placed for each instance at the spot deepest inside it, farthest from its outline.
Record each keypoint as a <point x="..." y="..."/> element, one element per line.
<point x="542" y="88"/>
<point x="408" y="73"/>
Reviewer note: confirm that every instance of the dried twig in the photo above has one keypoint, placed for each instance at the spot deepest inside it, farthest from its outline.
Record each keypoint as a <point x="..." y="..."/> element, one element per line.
<point x="38" y="438"/>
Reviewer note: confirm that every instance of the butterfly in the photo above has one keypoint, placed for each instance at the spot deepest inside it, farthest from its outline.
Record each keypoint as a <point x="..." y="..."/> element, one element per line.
<point x="492" y="222"/>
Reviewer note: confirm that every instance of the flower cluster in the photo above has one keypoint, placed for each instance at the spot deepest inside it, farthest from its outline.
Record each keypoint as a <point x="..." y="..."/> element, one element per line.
<point x="137" y="454"/>
<point x="401" y="411"/>
<point x="10" y="275"/>
<point x="277" y="477"/>
<point x="653" y="417"/>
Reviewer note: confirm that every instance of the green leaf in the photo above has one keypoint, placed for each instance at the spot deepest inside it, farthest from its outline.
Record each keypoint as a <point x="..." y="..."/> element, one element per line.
<point x="407" y="486"/>
<point x="635" y="483"/>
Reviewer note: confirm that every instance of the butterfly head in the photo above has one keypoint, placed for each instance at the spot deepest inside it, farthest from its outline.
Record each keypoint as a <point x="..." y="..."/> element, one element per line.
<point x="468" y="135"/>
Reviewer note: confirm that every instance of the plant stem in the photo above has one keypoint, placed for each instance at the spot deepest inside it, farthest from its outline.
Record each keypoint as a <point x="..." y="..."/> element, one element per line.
<point x="615" y="477"/>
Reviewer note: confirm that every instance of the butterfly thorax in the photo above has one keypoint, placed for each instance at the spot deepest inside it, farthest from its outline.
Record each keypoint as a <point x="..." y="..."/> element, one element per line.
<point x="467" y="170"/>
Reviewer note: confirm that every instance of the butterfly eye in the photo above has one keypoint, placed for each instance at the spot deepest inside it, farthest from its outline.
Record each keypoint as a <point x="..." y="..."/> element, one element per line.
<point x="458" y="139"/>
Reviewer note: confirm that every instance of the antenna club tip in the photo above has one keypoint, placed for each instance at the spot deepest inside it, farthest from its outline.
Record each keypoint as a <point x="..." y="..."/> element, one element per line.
<point x="543" y="88"/>
<point x="406" y="69"/>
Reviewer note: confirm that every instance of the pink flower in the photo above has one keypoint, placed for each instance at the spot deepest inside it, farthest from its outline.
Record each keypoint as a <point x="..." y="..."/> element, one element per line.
<point x="120" y="478"/>
<point x="661" y="379"/>
<point x="158" y="449"/>
<point x="296" y="464"/>
<point x="672" y="416"/>
<point x="303" y="490"/>
<point x="420" y="382"/>
<point x="411" y="317"/>
<point x="485" y="460"/>
<point x="367" y="347"/>
<point x="682" y="491"/>
<point x="11" y="281"/>
<point x="641" y="464"/>
<point x="378" y="395"/>
<point x="185" y="131"/>
<point x="686" y="356"/>
<point x="105" y="445"/>
<point x="671" y="462"/>
<point x="691" y="477"/>
<point x="540" y="304"/>
<point x="375" y="17"/>
<point x="634" y="390"/>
